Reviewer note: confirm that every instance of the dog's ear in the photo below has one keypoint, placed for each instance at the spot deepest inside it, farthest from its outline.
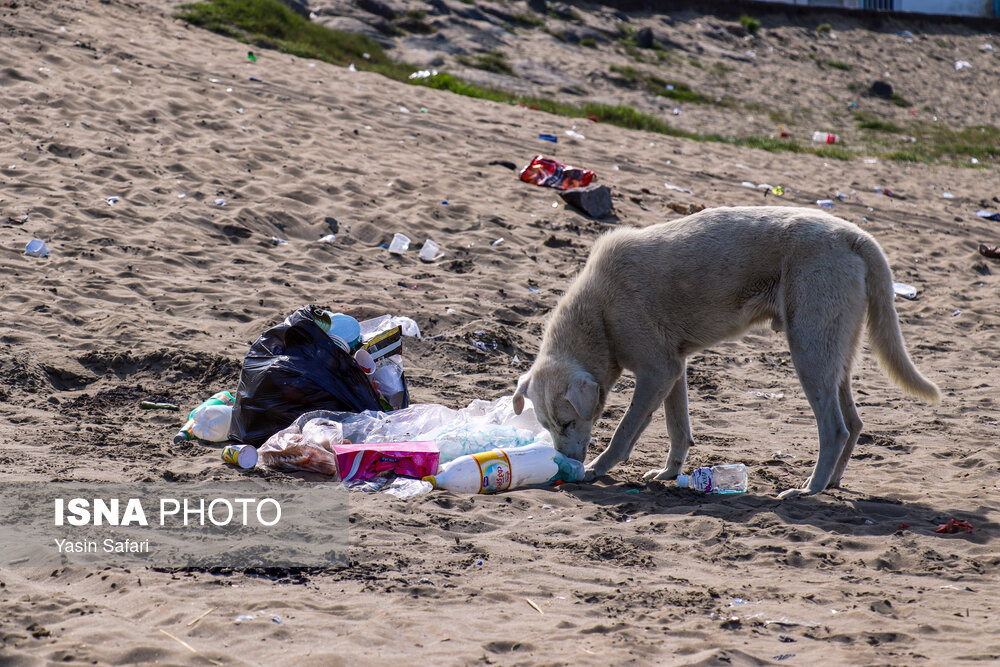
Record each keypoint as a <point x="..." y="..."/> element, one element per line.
<point x="519" y="394"/>
<point x="584" y="395"/>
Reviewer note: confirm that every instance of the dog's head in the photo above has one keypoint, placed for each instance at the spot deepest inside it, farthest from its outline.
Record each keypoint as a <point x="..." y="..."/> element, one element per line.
<point x="567" y="401"/>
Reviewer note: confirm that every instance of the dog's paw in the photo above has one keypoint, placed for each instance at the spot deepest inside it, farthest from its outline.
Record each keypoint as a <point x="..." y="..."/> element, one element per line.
<point x="660" y="475"/>
<point x="792" y="493"/>
<point x="589" y="475"/>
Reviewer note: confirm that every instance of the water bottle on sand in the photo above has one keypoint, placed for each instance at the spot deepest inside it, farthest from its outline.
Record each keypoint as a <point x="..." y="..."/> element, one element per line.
<point x="497" y="470"/>
<point x="730" y="478"/>
<point x="209" y="421"/>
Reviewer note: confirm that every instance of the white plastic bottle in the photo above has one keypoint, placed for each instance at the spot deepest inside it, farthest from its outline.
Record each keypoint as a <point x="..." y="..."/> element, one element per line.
<point x="497" y="470"/>
<point x="825" y="137"/>
<point x="209" y="421"/>
<point x="730" y="478"/>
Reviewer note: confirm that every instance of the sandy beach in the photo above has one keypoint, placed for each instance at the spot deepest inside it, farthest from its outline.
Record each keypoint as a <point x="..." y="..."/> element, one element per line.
<point x="124" y="131"/>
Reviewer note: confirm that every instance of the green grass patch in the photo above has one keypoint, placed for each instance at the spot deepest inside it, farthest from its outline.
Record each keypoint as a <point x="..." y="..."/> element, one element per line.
<point x="720" y="69"/>
<point x="675" y="90"/>
<point x="491" y="61"/>
<point x="527" y="20"/>
<point x="589" y="42"/>
<point x="751" y="24"/>
<point x="824" y="29"/>
<point x="869" y="121"/>
<point x="837" y="64"/>
<point x="269" y="24"/>
<point x="899" y="100"/>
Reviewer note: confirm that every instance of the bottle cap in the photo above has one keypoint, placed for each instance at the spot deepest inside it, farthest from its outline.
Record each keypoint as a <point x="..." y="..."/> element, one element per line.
<point x="430" y="478"/>
<point x="683" y="481"/>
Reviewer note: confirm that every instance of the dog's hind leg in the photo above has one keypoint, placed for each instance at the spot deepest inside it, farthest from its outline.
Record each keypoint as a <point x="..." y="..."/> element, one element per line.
<point x="854" y="425"/>
<point x="675" y="408"/>
<point x="651" y="389"/>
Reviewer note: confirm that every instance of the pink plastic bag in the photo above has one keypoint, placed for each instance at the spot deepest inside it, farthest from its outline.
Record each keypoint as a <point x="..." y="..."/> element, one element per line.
<point x="361" y="462"/>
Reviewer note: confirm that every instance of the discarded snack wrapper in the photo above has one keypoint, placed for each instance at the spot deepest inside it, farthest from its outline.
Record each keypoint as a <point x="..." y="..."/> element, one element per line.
<point x="361" y="462"/>
<point x="954" y="526"/>
<point x="548" y="172"/>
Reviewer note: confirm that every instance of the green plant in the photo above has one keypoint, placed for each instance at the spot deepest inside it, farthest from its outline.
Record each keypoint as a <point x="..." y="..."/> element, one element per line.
<point x="836" y="64"/>
<point x="589" y="42"/>
<point x="824" y="29"/>
<point x="694" y="62"/>
<point x="867" y="121"/>
<point x="899" y="100"/>
<point x="416" y="14"/>
<point x="751" y="24"/>
<point x="527" y="20"/>
<point x="491" y="61"/>
<point x="720" y="69"/>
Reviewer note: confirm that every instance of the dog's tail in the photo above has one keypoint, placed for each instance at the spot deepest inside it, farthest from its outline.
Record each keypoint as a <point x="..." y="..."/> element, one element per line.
<point x="883" y="325"/>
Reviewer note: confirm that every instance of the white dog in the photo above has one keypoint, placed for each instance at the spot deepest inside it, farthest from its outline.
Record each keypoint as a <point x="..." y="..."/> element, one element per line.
<point x="648" y="298"/>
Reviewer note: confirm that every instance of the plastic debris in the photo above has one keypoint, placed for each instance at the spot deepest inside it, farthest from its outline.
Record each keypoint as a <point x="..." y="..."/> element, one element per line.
<point x="112" y="200"/>
<point x="574" y="135"/>
<point x="329" y="238"/>
<point x="424" y="74"/>
<point x="36" y="248"/>
<point x="987" y="251"/>
<point x="824" y="203"/>
<point x="962" y="64"/>
<point x="954" y="526"/>
<point x="904" y="290"/>
<point x="677" y="188"/>
<point x="982" y="213"/>
<point x="497" y="242"/>
<point x="244" y="617"/>
<point x="219" y="202"/>
<point x="948" y="195"/>
<point x="554" y="174"/>
<point x="549" y="137"/>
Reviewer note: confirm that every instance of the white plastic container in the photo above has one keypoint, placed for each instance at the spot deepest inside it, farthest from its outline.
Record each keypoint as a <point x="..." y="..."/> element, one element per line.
<point x="399" y="244"/>
<point x="825" y="138"/>
<point x="430" y="251"/>
<point x="497" y="470"/>
<point x="209" y="423"/>
<point x="730" y="478"/>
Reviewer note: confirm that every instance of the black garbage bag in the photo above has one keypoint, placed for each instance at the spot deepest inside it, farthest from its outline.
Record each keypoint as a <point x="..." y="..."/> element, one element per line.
<point x="293" y="368"/>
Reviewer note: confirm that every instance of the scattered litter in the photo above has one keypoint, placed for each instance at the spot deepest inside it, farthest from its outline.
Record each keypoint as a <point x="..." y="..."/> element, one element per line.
<point x="116" y="70"/>
<point x="767" y="394"/>
<point x="276" y="241"/>
<point x="444" y="202"/>
<point x="904" y="290"/>
<point x="739" y="601"/>
<point x="276" y="618"/>
<point x="840" y="195"/>
<point x="778" y="190"/>
<point x="956" y="313"/>
<point x="870" y="160"/>
<point x="574" y="135"/>
<point x="430" y="251"/>
<point x="962" y="64"/>
<point x="869" y="522"/>
<point x="948" y="195"/>
<point x="748" y="184"/>
<point x="973" y="160"/>
<point x="987" y="251"/>
<point x="677" y="111"/>
<point x="534" y="290"/>
<point x="423" y="110"/>
<point x="782" y="455"/>
<point x="181" y="195"/>
<point x="551" y="173"/>
<point x="400" y="243"/>
<point x="989" y="216"/>
<point x="112" y="200"/>
<point x="240" y="110"/>
<point x="497" y="242"/>
<point x="954" y="526"/>
<point x="404" y="110"/>
<point x="352" y="68"/>
<point x="150" y="405"/>
<point x="986" y="47"/>
<point x="785" y="656"/>
<point x="534" y="606"/>
<point x="251" y="57"/>
<point x="403" y="488"/>
<point x="677" y="188"/>
<point x="549" y="137"/>
<point x="825" y="137"/>
<point x="36" y="248"/>
<point x="243" y="618"/>
<point x="329" y="238"/>
<point x="424" y="74"/>
<point x="516" y="360"/>
<point x="219" y="202"/>
<point x="825" y="203"/>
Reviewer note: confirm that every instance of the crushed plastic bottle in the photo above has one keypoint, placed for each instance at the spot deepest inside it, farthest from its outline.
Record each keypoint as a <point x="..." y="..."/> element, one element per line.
<point x="730" y="478"/>
<point x="209" y="421"/>
<point x="825" y="137"/>
<point x="455" y="440"/>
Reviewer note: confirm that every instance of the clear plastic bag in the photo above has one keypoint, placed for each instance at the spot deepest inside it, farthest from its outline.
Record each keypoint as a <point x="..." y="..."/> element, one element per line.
<point x="309" y="447"/>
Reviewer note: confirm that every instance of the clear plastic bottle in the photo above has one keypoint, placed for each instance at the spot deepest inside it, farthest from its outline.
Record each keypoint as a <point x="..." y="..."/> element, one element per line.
<point x="497" y="470"/>
<point x="825" y="137"/>
<point x="730" y="478"/>
<point x="454" y="440"/>
<point x="570" y="470"/>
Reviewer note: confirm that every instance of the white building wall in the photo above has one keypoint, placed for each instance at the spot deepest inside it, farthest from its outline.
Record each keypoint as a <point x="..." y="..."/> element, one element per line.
<point x="948" y="7"/>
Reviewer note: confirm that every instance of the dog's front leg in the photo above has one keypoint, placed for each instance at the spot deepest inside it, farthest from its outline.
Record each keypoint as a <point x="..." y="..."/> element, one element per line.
<point x="679" y="428"/>
<point x="650" y="391"/>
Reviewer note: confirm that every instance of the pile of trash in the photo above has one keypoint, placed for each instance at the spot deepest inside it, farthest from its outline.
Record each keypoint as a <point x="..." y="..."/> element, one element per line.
<point x="324" y="393"/>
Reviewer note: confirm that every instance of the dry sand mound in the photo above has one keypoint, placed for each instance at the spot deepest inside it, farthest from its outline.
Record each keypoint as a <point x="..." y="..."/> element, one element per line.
<point x="158" y="296"/>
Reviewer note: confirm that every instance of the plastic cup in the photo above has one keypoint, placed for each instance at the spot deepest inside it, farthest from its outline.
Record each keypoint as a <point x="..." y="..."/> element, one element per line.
<point x="244" y="456"/>
<point x="365" y="361"/>
<point x="430" y="251"/>
<point x="36" y="248"/>
<point x="400" y="243"/>
<point x="345" y="328"/>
